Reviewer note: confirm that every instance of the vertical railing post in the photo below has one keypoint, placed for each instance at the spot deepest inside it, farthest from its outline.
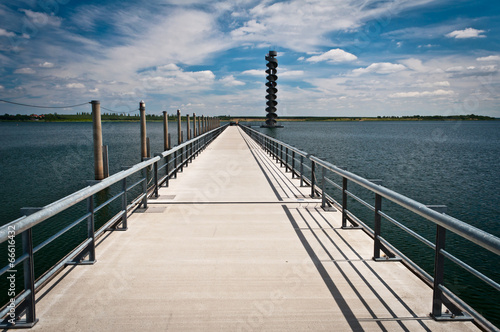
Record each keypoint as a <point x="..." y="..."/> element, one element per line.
<point x="155" y="170"/>
<point x="29" y="277"/>
<point x="145" y="188"/>
<point x="377" y="227"/>
<point x="313" y="178"/>
<point x="91" y="228"/>
<point x="437" y="295"/>
<point x="175" y="164"/>
<point x="293" y="164"/>
<point x="286" y="160"/>
<point x="301" y="170"/>
<point x="344" y="202"/>
<point x="167" y="160"/>
<point x="323" y="187"/>
<point x="281" y="155"/>
<point x="97" y="138"/>
<point x="124" y="203"/>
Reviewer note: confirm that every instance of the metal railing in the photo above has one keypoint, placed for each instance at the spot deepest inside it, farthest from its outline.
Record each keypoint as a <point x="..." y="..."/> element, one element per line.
<point x="295" y="161"/>
<point x="168" y="163"/>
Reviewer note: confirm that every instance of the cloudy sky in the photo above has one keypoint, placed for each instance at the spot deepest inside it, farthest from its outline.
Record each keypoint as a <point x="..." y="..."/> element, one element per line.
<point x="336" y="57"/>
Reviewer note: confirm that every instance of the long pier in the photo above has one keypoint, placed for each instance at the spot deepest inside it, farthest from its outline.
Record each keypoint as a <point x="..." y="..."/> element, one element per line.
<point x="235" y="243"/>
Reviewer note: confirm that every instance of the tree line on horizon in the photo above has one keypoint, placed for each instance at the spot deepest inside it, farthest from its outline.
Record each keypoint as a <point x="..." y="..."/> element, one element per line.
<point x="86" y="117"/>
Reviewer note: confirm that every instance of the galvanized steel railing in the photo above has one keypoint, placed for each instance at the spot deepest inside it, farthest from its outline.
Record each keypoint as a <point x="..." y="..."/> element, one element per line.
<point x="168" y="162"/>
<point x="296" y="161"/>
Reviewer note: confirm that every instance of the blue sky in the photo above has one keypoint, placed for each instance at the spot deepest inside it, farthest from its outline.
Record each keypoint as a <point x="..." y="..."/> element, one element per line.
<point x="336" y="58"/>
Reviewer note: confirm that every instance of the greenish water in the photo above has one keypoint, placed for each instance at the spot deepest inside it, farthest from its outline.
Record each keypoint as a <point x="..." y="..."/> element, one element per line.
<point x="451" y="163"/>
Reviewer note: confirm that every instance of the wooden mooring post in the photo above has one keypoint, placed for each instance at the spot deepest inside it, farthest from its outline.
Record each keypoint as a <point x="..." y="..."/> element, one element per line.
<point x="97" y="134"/>
<point x="179" y="128"/>
<point x="144" y="143"/>
<point x="165" y="131"/>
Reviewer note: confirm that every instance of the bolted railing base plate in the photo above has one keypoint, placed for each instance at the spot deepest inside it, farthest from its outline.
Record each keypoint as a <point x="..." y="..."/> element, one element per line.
<point x="452" y="317"/>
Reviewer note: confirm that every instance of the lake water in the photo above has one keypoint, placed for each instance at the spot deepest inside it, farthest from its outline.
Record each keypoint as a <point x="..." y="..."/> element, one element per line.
<point x="450" y="163"/>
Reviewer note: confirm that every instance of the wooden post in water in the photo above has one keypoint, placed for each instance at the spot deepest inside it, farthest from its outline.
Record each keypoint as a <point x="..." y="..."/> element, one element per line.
<point x="188" y="127"/>
<point x="194" y="126"/>
<point x="144" y="144"/>
<point x="199" y="128"/>
<point x="97" y="133"/>
<point x="165" y="131"/>
<point x="179" y="128"/>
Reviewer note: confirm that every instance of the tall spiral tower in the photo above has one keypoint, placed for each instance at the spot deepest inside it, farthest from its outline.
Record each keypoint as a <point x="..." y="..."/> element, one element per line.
<point x="272" y="64"/>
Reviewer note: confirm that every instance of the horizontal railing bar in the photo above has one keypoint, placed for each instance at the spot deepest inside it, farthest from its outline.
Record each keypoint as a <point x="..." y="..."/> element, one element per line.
<point x="136" y="184"/>
<point x="109" y="201"/>
<point x="8" y="267"/>
<point x="333" y="183"/>
<point x="162" y="166"/>
<point x="63" y="262"/>
<point x="408" y="230"/>
<point x="61" y="232"/>
<point x="360" y="200"/>
<point x="138" y="199"/>
<point x="470" y="269"/>
<point x="408" y="261"/>
<point x="111" y="222"/>
<point x="300" y="152"/>
<point x="471" y="233"/>
<point x="477" y="316"/>
<point x="18" y="300"/>
<point x="357" y="220"/>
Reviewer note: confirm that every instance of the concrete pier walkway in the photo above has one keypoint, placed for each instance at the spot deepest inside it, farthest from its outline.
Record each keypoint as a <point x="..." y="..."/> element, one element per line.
<point x="234" y="244"/>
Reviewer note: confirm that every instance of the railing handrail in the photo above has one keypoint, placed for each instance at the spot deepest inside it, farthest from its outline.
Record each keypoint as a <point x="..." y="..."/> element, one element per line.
<point x="300" y="152"/>
<point x="467" y="231"/>
<point x="473" y="234"/>
<point x="25" y="222"/>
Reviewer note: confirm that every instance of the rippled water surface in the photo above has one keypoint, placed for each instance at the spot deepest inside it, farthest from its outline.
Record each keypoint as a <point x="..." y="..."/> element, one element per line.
<point x="450" y="163"/>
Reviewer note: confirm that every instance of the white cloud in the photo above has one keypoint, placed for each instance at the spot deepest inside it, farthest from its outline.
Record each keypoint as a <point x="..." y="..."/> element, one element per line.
<point x="46" y="65"/>
<point x="466" y="33"/>
<point x="489" y="58"/>
<point x="416" y="94"/>
<point x="461" y="71"/>
<point x="290" y="73"/>
<point x="380" y="68"/>
<point x="171" y="76"/>
<point x="333" y="55"/>
<point x="41" y="19"/>
<point x="6" y="33"/>
<point x="26" y="70"/>
<point x="303" y="25"/>
<point x="254" y="72"/>
<point x="433" y="84"/>
<point x="1" y="87"/>
<point x="251" y="27"/>
<point x="75" y="86"/>
<point x="231" y="81"/>
<point x="166" y="38"/>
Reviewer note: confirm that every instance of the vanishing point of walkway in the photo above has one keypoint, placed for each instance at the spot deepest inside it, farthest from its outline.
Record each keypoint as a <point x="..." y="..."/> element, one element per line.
<point x="234" y="244"/>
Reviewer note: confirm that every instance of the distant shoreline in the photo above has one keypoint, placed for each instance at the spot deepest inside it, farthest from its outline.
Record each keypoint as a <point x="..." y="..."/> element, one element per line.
<point x="86" y="117"/>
